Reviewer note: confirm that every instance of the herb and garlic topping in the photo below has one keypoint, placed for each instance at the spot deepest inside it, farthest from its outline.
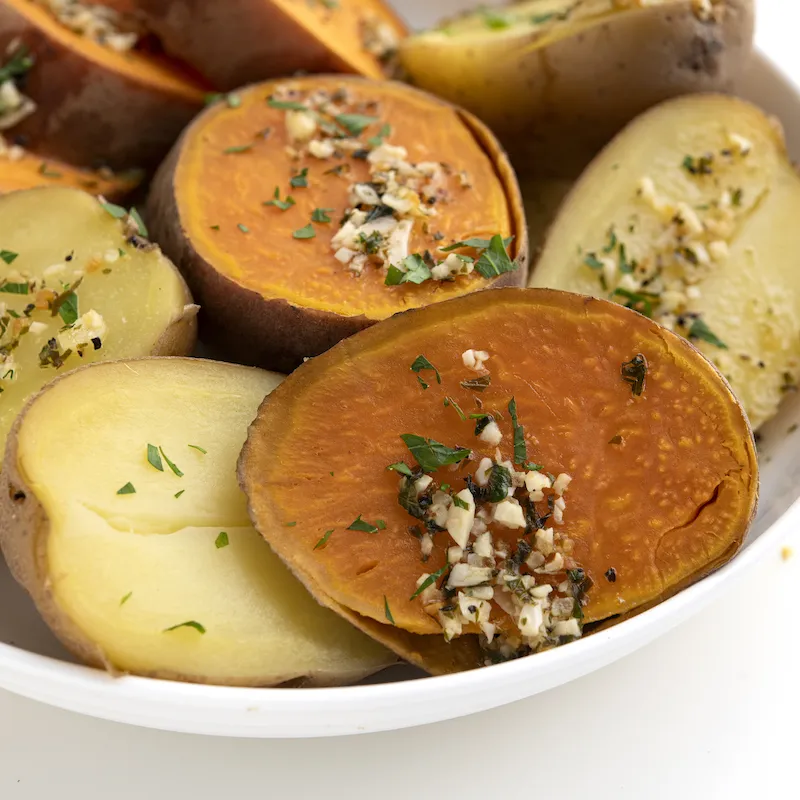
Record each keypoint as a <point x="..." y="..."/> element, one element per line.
<point x="100" y="23"/>
<point x="400" y="200"/>
<point x="15" y="106"/>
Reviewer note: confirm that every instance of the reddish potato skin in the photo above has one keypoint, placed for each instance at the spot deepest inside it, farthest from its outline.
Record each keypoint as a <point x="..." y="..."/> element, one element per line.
<point x="271" y="332"/>
<point x="87" y="114"/>
<point x="240" y="41"/>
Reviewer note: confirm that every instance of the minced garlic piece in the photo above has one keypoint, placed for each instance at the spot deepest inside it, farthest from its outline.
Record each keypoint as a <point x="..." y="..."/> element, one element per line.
<point x="89" y="329"/>
<point x="99" y="23"/>
<point x="14" y="107"/>
<point x="474" y="359"/>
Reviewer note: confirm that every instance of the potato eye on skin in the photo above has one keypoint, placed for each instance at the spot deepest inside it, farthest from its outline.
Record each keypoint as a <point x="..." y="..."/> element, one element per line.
<point x="598" y="372"/>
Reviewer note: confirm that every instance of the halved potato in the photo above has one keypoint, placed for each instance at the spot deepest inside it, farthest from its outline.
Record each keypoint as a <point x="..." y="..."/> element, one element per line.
<point x="689" y="216"/>
<point x="21" y="169"/>
<point x="85" y="102"/>
<point x="143" y="559"/>
<point x="242" y="41"/>
<point x="556" y="79"/>
<point x="501" y="466"/>
<point x="302" y="211"/>
<point x="77" y="285"/>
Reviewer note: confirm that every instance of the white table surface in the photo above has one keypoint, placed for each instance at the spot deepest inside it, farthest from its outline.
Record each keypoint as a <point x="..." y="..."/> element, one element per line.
<point x="708" y="711"/>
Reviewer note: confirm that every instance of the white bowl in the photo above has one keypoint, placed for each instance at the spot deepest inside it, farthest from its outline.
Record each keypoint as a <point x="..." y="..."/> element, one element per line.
<point x="33" y="663"/>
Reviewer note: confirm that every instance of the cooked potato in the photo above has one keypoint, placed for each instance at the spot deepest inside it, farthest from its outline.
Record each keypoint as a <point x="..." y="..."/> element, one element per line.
<point x="559" y="457"/>
<point x="689" y="216"/>
<point x="242" y="41"/>
<point x="88" y="98"/>
<point x="142" y="559"/>
<point x="77" y="286"/>
<point x="556" y="79"/>
<point x="296" y="226"/>
<point x="21" y="169"/>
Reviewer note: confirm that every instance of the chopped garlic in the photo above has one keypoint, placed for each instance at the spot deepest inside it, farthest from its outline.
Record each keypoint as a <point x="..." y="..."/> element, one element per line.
<point x="509" y="513"/>
<point x="466" y="575"/>
<point x="561" y="483"/>
<point x="321" y="148"/>
<point x="491" y="434"/>
<point x="531" y="620"/>
<point x="474" y="359"/>
<point x="482" y="473"/>
<point x="454" y="554"/>
<point x="459" y="520"/>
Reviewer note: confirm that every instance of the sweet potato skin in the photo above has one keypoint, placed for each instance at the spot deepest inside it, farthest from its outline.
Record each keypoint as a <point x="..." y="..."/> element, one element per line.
<point x="241" y="41"/>
<point x="88" y="114"/>
<point x="270" y="332"/>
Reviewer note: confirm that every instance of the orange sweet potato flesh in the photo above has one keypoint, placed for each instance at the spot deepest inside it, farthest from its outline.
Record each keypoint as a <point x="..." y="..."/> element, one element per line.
<point x="242" y="41"/>
<point x="665" y="504"/>
<point x="96" y="106"/>
<point x="273" y="299"/>
<point x="29" y="171"/>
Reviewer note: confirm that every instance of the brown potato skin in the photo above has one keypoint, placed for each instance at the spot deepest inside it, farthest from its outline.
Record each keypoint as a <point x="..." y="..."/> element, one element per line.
<point x="271" y="332"/>
<point x="215" y="38"/>
<point x="87" y="114"/>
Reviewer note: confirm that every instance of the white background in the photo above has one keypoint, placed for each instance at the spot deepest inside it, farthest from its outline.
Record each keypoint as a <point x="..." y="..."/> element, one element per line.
<point x="708" y="711"/>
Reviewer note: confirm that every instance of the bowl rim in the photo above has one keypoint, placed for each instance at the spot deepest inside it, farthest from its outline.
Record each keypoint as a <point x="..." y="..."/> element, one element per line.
<point x="263" y="712"/>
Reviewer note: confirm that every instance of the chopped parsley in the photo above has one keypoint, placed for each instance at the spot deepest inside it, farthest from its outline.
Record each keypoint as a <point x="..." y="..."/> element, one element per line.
<point x="200" y="449"/>
<point x="459" y="503"/>
<point x="430" y="454"/>
<point x="289" y="524"/>
<point x="531" y="467"/>
<point x="14" y="288"/>
<point x="495" y="20"/>
<point x="420" y="364"/>
<point x="634" y="373"/>
<point x="592" y="261"/>
<point x="178" y="494"/>
<point x="324" y="540"/>
<point x="637" y="301"/>
<point x="400" y="467"/>
<point x="128" y="488"/>
<point x="477" y="384"/>
<point x="68" y="308"/>
<point x="700" y="165"/>
<point x="306" y="232"/>
<point x="238" y="148"/>
<point x="520" y="449"/>
<point x="243" y="228"/>
<point x="477" y="244"/>
<point x="495" y="260"/>
<point x="126" y="598"/>
<point x="154" y="458"/>
<point x="361" y="525"/>
<point x="300" y="181"/>
<point x="448" y="401"/>
<point x="8" y="256"/>
<point x="416" y="271"/>
<point x="383" y="133"/>
<point x="221" y="540"/>
<point x="321" y="214"/>
<point x="355" y="124"/>
<point x="387" y="611"/>
<point x="700" y="330"/>
<point x="44" y="169"/>
<point x="285" y="105"/>
<point x="283" y="205"/>
<point x="190" y="624"/>
<point x="170" y="464"/>
<point x="19" y="62"/>
<point x="429" y="581"/>
<point x="381" y="524"/>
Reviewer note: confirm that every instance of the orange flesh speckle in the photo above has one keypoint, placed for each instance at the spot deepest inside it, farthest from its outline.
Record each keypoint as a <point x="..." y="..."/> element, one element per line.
<point x="670" y="503"/>
<point x="218" y="189"/>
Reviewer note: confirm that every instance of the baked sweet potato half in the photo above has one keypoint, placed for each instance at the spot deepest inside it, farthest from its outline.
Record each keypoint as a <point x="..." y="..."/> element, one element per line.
<point x="78" y="284"/>
<point x="557" y="79"/>
<point x="302" y="211"/>
<point x="242" y="41"/>
<point x="21" y="169"/>
<point x="131" y="533"/>
<point x="75" y="87"/>
<point x="501" y="469"/>
<point x="688" y="216"/>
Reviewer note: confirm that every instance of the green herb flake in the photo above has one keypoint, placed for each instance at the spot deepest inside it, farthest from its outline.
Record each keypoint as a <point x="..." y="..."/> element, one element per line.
<point x="380" y="524"/>
<point x="44" y="169"/>
<point x="221" y="540"/>
<point x="421" y="364"/>
<point x="154" y="458"/>
<point x="128" y="488"/>
<point x="495" y="260"/>
<point x="118" y="212"/>
<point x="634" y="373"/>
<point x="495" y="20"/>
<point x="401" y="467"/>
<point x="190" y="624"/>
<point x="355" y="124"/>
<point x="199" y="449"/>
<point x="283" y="205"/>
<point x="430" y="454"/>
<point x="321" y="214"/>
<point x="459" y="503"/>
<point x="592" y="261"/>
<point x="170" y="464"/>
<point x="300" y="181"/>
<point x="384" y="133"/>
<point x="520" y="448"/>
<point x="736" y="197"/>
<point x="178" y="494"/>
<point x="306" y="232"/>
<point x="387" y="610"/>
<point x="239" y="148"/>
<point x="324" y="540"/>
<point x="126" y="598"/>
<point x="700" y="330"/>
<point x="429" y="581"/>
<point x="19" y="62"/>
<point x="141" y="227"/>
<point x="361" y="525"/>
<point x="14" y="288"/>
<point x="68" y="308"/>
<point x="448" y="401"/>
<point x="8" y="256"/>
<point x="477" y="384"/>
<point x="531" y="467"/>
<point x="285" y="105"/>
<point x="416" y="271"/>
<point x="243" y="228"/>
<point x="289" y="524"/>
<point x="477" y="244"/>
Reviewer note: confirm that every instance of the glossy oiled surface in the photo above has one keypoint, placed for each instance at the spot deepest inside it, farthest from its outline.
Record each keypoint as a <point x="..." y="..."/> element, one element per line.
<point x="161" y="552"/>
<point x="214" y="188"/>
<point x="671" y="502"/>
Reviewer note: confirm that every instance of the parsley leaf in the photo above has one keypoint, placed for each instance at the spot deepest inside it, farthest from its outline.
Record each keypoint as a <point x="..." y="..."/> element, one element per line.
<point x="416" y="271"/>
<point x="190" y="624"/>
<point x="154" y="458"/>
<point x="239" y="148"/>
<point x="700" y="330"/>
<point x="520" y="449"/>
<point x="400" y="467"/>
<point x="8" y="256"/>
<point x="283" y="205"/>
<point x="200" y="449"/>
<point x="361" y="525"/>
<point x="355" y="124"/>
<point x="126" y="598"/>
<point x="448" y="401"/>
<point x="172" y="466"/>
<point x="306" y="232"/>
<point x="68" y="308"/>
<point x="430" y="454"/>
<point x="431" y="579"/>
<point x="495" y="261"/>
<point x="324" y="540"/>
<point x="321" y="214"/>
<point x="477" y="384"/>
<point x="421" y="363"/>
<point x="300" y="181"/>
<point x="478" y="244"/>
<point x="221" y="540"/>
<point x="128" y="488"/>
<point x="387" y="611"/>
<point x="285" y="105"/>
<point x="383" y="133"/>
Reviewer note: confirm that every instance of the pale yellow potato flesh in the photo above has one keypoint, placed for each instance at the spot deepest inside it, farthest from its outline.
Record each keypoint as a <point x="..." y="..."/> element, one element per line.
<point x="124" y="568"/>
<point x="556" y="79"/>
<point x="750" y="298"/>
<point x="59" y="234"/>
